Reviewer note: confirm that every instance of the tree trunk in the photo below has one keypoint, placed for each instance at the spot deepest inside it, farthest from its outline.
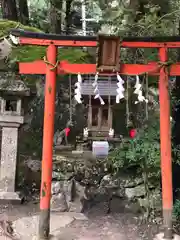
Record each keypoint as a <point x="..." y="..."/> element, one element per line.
<point x="68" y="16"/>
<point x="23" y="12"/>
<point x="56" y="8"/>
<point x="9" y="10"/>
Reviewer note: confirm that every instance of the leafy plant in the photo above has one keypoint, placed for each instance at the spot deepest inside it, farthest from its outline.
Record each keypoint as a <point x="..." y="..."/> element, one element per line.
<point x="141" y="154"/>
<point x="144" y="148"/>
<point x="176" y="209"/>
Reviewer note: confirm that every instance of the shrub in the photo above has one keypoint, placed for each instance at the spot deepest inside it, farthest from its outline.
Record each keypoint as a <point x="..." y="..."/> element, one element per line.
<point x="176" y="209"/>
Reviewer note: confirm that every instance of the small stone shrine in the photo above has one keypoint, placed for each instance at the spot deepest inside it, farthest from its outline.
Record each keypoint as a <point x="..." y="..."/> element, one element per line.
<point x="12" y="96"/>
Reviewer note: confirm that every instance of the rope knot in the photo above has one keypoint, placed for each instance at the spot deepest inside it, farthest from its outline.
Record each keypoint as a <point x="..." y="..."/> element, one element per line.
<point x="54" y="66"/>
<point x="165" y="64"/>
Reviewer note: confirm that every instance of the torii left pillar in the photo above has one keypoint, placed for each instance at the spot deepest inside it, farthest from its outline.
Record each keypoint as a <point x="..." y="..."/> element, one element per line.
<point x="47" y="152"/>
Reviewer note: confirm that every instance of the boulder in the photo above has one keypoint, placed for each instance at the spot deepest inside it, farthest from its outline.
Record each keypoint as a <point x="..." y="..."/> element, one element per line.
<point x="133" y="207"/>
<point x="90" y="182"/>
<point x="135" y="192"/>
<point x="80" y="190"/>
<point x="123" y="185"/>
<point x="33" y="165"/>
<point x="155" y="200"/>
<point x="121" y="180"/>
<point x="131" y="181"/>
<point x="109" y="181"/>
<point x="55" y="175"/>
<point x="86" y="169"/>
<point x="57" y="187"/>
<point x="59" y="203"/>
<point x="30" y="171"/>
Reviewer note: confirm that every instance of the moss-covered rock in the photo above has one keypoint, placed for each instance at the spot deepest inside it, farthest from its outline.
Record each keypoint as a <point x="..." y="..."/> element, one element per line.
<point x="32" y="53"/>
<point x="6" y="26"/>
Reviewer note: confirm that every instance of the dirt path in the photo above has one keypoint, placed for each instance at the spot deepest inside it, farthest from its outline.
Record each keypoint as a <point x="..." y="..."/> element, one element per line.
<point x="111" y="227"/>
<point x="116" y="226"/>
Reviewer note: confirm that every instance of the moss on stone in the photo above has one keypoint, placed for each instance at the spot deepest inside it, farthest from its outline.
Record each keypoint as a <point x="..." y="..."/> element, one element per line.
<point x="32" y="53"/>
<point x="6" y="26"/>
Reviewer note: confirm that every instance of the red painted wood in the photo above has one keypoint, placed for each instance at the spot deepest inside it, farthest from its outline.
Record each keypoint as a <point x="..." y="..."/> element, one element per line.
<point x="165" y="137"/>
<point x="36" y="67"/>
<point x="45" y="42"/>
<point x="150" y="44"/>
<point x="39" y="67"/>
<point x="48" y="129"/>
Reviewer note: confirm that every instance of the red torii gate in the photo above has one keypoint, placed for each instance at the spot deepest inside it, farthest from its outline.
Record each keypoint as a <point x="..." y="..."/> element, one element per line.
<point x="63" y="67"/>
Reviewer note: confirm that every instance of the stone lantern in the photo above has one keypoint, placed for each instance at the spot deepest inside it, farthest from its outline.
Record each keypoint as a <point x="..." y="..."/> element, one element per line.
<point x="12" y="96"/>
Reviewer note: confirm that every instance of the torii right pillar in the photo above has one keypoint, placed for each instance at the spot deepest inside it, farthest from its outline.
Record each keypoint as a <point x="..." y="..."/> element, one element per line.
<point x="166" y="159"/>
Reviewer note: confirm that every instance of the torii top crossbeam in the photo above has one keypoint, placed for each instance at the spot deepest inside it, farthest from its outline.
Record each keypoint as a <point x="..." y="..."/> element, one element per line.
<point x="161" y="68"/>
<point x="44" y="39"/>
<point x="39" y="67"/>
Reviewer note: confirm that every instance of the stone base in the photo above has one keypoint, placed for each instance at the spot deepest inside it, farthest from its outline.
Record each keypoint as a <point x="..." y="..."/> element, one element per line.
<point x="10" y="197"/>
<point x="160" y="236"/>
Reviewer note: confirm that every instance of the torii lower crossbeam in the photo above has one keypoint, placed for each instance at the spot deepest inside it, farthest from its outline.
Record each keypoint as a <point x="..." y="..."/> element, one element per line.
<point x="64" y="67"/>
<point x="161" y="69"/>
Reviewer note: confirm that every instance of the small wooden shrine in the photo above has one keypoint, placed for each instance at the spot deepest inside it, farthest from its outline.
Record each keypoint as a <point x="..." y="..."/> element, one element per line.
<point x="100" y="116"/>
<point x="100" y="92"/>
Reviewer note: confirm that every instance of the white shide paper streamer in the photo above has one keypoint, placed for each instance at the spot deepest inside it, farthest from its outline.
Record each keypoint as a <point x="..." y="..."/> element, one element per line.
<point x="96" y="90"/>
<point x="138" y="91"/>
<point x="120" y="90"/>
<point x="78" y="89"/>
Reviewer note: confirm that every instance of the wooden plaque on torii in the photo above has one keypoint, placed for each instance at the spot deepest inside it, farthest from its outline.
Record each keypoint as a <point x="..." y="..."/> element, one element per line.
<point x="108" y="54"/>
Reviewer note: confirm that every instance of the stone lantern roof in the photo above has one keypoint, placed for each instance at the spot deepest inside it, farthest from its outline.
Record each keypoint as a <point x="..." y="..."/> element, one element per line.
<point x="14" y="87"/>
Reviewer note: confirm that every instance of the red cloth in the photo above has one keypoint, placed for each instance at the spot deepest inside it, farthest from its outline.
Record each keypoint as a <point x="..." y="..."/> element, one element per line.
<point x="67" y="131"/>
<point x="132" y="133"/>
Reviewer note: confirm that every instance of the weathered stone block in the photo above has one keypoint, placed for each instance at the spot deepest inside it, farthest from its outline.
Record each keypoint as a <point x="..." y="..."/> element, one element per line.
<point x="56" y="187"/>
<point x="59" y="203"/>
<point x="138" y="191"/>
<point x="8" y="159"/>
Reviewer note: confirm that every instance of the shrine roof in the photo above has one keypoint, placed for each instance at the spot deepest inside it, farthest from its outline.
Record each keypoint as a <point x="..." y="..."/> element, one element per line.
<point x="105" y="87"/>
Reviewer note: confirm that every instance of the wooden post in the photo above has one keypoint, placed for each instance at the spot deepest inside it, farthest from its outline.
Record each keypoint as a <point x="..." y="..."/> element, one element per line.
<point x="165" y="136"/>
<point x="48" y="134"/>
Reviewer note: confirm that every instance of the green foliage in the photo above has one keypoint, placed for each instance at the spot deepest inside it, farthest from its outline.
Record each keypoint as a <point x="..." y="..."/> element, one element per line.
<point x="152" y="24"/>
<point x="37" y="4"/>
<point x="32" y="53"/>
<point x="176" y="209"/>
<point x="38" y="18"/>
<point x="142" y="151"/>
<point x="141" y="155"/>
<point x="38" y="12"/>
